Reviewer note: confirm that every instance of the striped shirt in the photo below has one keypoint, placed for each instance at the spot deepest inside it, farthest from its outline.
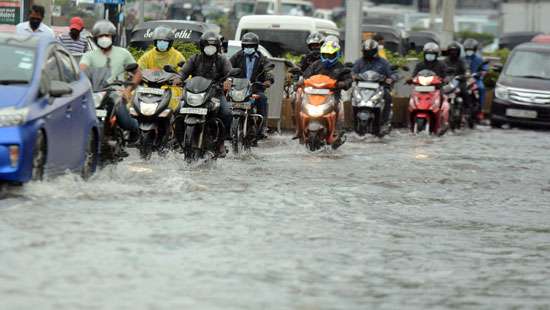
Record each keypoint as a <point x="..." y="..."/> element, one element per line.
<point x="78" y="46"/>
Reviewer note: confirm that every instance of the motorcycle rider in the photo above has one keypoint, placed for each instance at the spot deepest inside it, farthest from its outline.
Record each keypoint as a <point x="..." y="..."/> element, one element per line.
<point x="314" y="42"/>
<point x="211" y="64"/>
<point x="164" y="53"/>
<point x="456" y="66"/>
<point x="115" y="58"/>
<point x="330" y="65"/>
<point x="371" y="60"/>
<point x="431" y="53"/>
<point x="477" y="67"/>
<point x="251" y="62"/>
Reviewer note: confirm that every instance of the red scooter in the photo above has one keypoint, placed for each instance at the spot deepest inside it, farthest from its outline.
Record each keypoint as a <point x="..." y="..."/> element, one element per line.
<point x="428" y="107"/>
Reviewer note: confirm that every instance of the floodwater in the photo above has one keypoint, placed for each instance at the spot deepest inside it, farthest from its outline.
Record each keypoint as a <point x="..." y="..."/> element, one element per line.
<point x="459" y="222"/>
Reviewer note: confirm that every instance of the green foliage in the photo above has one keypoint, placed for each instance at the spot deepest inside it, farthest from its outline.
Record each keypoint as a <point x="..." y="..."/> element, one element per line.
<point x="492" y="75"/>
<point x="187" y="49"/>
<point x="397" y="60"/>
<point x="295" y="59"/>
<point x="502" y="54"/>
<point x="482" y="38"/>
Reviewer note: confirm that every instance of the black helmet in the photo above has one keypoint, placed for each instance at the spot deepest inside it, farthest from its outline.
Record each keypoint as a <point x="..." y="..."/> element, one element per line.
<point x="103" y="27"/>
<point x="315" y="40"/>
<point x="210" y="39"/>
<point x="250" y="39"/>
<point x="453" y="50"/>
<point x="369" y="48"/>
<point x="471" y="44"/>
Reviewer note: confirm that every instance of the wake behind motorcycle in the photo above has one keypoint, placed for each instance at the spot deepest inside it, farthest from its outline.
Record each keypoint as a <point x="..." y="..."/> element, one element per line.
<point x="198" y="129"/>
<point x="368" y="102"/>
<point x="428" y="107"/>
<point x="151" y="108"/>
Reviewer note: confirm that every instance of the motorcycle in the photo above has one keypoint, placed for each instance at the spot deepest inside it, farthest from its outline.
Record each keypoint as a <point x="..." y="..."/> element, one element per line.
<point x="428" y="107"/>
<point x="151" y="108"/>
<point x="198" y="129"/>
<point x="246" y="121"/>
<point x="368" y="102"/>
<point x="318" y="113"/>
<point x="107" y="98"/>
<point x="456" y="103"/>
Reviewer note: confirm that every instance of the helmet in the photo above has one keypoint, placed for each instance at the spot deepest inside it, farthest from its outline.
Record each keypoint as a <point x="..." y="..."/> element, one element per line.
<point x="370" y="48"/>
<point x="453" y="50"/>
<point x="315" y="40"/>
<point x="471" y="44"/>
<point x="330" y="53"/>
<point x="103" y="27"/>
<point x="163" y="38"/>
<point x="250" y="39"/>
<point x="431" y="48"/>
<point x="332" y="38"/>
<point x="210" y="39"/>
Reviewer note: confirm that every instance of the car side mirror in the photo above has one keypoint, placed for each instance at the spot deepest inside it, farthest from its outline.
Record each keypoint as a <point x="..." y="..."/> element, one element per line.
<point x="131" y="67"/>
<point x="60" y="89"/>
<point x="169" y="69"/>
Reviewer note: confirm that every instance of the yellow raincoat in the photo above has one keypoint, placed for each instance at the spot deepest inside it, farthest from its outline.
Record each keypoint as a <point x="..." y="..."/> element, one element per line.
<point x="155" y="60"/>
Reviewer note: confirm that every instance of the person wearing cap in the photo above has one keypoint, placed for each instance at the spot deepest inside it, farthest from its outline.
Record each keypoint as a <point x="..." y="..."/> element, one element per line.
<point x="73" y="41"/>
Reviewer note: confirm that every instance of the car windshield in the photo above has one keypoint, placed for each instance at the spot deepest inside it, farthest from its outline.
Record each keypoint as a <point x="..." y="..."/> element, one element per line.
<point x="279" y="42"/>
<point x="529" y="64"/>
<point x="17" y="64"/>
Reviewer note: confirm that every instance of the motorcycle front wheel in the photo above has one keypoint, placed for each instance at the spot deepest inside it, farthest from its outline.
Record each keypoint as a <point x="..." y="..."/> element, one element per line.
<point x="147" y="144"/>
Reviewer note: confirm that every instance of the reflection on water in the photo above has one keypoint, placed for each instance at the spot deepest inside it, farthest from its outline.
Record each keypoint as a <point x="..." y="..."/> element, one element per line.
<point x="404" y="222"/>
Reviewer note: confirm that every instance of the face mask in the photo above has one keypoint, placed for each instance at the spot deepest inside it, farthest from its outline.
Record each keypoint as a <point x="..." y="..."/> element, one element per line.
<point x="469" y="53"/>
<point x="370" y="54"/>
<point x="210" y="50"/>
<point x="249" y="50"/>
<point x="34" y="23"/>
<point x="430" y="57"/>
<point x="74" y="34"/>
<point x="162" y="46"/>
<point x="104" y="42"/>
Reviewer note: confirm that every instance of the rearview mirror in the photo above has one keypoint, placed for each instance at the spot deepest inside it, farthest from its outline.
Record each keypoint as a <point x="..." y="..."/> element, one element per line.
<point x="406" y="68"/>
<point x="131" y="67"/>
<point x="394" y="67"/>
<point x="60" y="89"/>
<point x="181" y="63"/>
<point x="169" y="69"/>
<point x="344" y="72"/>
<point x="295" y="70"/>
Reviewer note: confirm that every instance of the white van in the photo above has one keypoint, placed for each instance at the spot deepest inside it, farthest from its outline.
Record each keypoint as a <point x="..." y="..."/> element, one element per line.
<point x="280" y="34"/>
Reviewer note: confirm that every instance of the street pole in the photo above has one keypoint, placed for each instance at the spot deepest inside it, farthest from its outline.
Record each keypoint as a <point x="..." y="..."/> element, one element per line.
<point x="278" y="7"/>
<point x="141" y="11"/>
<point x="433" y="13"/>
<point x="354" y="15"/>
<point x="447" y="36"/>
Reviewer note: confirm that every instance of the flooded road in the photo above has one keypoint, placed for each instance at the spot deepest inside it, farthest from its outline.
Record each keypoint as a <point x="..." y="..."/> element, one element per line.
<point x="460" y="222"/>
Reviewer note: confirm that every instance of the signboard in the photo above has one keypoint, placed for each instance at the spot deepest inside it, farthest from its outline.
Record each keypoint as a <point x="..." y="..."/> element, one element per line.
<point x="10" y="12"/>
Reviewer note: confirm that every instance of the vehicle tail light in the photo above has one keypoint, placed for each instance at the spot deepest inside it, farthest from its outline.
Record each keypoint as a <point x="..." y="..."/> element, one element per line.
<point x="14" y="155"/>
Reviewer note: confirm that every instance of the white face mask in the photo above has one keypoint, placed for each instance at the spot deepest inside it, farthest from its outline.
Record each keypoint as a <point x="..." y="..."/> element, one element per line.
<point x="249" y="50"/>
<point x="162" y="45"/>
<point x="210" y="50"/>
<point x="469" y="53"/>
<point x="104" y="42"/>
<point x="430" y="57"/>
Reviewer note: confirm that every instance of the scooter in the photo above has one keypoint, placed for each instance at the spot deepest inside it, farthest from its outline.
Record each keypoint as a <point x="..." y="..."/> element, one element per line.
<point x="151" y="108"/>
<point x="428" y="107"/>
<point x="456" y="103"/>
<point x="318" y="114"/>
<point x="198" y="129"/>
<point x="368" y="102"/>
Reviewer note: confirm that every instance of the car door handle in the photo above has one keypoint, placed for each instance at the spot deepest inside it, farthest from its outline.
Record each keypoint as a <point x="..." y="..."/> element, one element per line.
<point x="69" y="111"/>
<point x="84" y="102"/>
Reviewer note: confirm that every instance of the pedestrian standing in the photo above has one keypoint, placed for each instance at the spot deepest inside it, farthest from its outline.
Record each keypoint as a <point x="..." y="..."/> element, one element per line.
<point x="34" y="25"/>
<point x="73" y="41"/>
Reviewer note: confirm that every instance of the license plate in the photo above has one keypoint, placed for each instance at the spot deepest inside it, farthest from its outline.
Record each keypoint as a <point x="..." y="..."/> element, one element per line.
<point x="242" y="105"/>
<point x="101" y="113"/>
<point x="369" y="85"/>
<point x="424" y="89"/>
<point x="153" y="91"/>
<point x="199" y="111"/>
<point x="521" y="113"/>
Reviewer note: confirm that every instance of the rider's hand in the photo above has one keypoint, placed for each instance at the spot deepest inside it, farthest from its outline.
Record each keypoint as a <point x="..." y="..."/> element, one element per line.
<point x="341" y="84"/>
<point x="389" y="81"/>
<point x="226" y="85"/>
<point x="177" y="82"/>
<point x="267" y="84"/>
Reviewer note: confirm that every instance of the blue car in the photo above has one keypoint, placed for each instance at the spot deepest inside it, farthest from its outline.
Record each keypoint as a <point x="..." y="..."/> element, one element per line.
<point x="48" y="122"/>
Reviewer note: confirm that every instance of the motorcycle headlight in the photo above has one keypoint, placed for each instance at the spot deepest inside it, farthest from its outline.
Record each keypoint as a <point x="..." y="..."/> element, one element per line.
<point x="316" y="110"/>
<point x="357" y="95"/>
<point x="238" y="95"/>
<point x="148" y="109"/>
<point x="195" y="100"/>
<point x="13" y="117"/>
<point x="502" y="92"/>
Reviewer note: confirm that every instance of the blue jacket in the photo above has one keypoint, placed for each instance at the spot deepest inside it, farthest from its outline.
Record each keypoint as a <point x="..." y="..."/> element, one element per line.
<point x="475" y="63"/>
<point x="378" y="64"/>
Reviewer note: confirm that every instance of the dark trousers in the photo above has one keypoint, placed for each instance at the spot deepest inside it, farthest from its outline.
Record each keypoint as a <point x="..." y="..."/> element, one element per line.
<point x="125" y="120"/>
<point x="261" y="106"/>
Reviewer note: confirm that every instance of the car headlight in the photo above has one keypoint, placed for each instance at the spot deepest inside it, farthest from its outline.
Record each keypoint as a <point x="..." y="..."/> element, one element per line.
<point x="502" y="92"/>
<point x="194" y="100"/>
<point x="238" y="95"/>
<point x="10" y="117"/>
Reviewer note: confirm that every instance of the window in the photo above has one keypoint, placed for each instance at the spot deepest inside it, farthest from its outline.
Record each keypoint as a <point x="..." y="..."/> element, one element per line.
<point x="17" y="64"/>
<point x="67" y="67"/>
<point x="529" y="64"/>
